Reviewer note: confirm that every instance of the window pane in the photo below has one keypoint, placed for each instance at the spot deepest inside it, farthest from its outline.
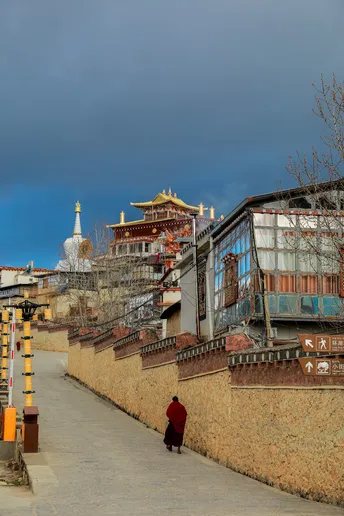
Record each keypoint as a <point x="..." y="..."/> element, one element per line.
<point x="287" y="283"/>
<point x="330" y="263"/>
<point x="308" y="241"/>
<point x="287" y="304"/>
<point x="328" y="223"/>
<point x="309" y="305"/>
<point x="331" y="306"/>
<point x="286" y="221"/>
<point x="269" y="281"/>
<point x="266" y="260"/>
<point x="308" y="221"/>
<point x="265" y="238"/>
<point x="330" y="284"/>
<point x="272" y="304"/>
<point x="258" y="304"/>
<point x="286" y="261"/>
<point x="247" y="262"/>
<point x="309" y="284"/>
<point x="328" y="242"/>
<point x="286" y="239"/>
<point x="307" y="262"/>
<point x="264" y="219"/>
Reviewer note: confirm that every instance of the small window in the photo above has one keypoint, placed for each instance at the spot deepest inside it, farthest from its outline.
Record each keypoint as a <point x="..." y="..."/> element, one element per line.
<point x="147" y="247"/>
<point x="265" y="238"/>
<point x="300" y="202"/>
<point x="272" y="304"/>
<point x="286" y="261"/>
<point x="307" y="262"/>
<point x="308" y="221"/>
<point x="309" y="305"/>
<point x="286" y="221"/>
<point x="230" y="279"/>
<point x="287" y="305"/>
<point x="264" y="219"/>
<point x="266" y="260"/>
<point x="308" y="241"/>
<point x="286" y="239"/>
<point x="331" y="306"/>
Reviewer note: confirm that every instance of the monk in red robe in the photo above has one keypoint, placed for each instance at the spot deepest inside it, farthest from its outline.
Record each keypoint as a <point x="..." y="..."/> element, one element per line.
<point x="174" y="434"/>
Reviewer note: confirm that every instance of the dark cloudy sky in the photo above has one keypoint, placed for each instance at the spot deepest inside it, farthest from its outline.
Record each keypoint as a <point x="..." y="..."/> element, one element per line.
<point x="110" y="101"/>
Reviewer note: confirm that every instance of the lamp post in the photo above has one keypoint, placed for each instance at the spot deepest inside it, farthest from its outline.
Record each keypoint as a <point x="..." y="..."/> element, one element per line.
<point x="26" y="310"/>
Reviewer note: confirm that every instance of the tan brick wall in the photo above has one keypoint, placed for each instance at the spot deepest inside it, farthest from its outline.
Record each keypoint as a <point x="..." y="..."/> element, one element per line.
<point x="293" y="438"/>
<point x="45" y="340"/>
<point x="208" y="401"/>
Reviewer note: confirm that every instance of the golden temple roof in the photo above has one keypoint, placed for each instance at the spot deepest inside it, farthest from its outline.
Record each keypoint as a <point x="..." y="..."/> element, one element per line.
<point x="163" y="198"/>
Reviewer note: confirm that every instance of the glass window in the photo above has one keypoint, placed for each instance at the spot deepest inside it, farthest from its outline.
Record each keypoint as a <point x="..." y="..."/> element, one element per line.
<point x="272" y="304"/>
<point x="265" y="238"/>
<point x="147" y="247"/>
<point x="287" y="304"/>
<point x="328" y="242"/>
<point x="286" y="261"/>
<point x="269" y="282"/>
<point x="287" y="283"/>
<point x="308" y="241"/>
<point x="309" y="305"/>
<point x="307" y="262"/>
<point x="308" y="221"/>
<point x="258" y="304"/>
<point x="264" y="219"/>
<point x="329" y="263"/>
<point x="131" y="248"/>
<point x="286" y="221"/>
<point x="218" y="281"/>
<point x="247" y="262"/>
<point x="331" y="306"/>
<point x="328" y="223"/>
<point x="266" y="260"/>
<point x="286" y="239"/>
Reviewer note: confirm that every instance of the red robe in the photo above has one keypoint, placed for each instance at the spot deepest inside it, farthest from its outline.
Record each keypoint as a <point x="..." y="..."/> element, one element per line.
<point x="177" y="414"/>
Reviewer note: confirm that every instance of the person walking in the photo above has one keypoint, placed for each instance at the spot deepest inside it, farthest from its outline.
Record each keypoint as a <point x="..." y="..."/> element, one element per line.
<point x="176" y="414"/>
<point x="18" y="345"/>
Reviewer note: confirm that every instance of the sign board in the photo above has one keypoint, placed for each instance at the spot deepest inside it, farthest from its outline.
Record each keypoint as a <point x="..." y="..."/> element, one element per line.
<point x="322" y="366"/>
<point x="322" y="343"/>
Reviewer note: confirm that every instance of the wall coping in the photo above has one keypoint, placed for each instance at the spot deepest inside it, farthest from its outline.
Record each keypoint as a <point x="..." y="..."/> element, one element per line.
<point x="86" y="336"/>
<point x="159" y="345"/>
<point x="285" y="352"/>
<point x="73" y="334"/>
<point x="200" y="349"/>
<point x="105" y="335"/>
<point x="129" y="338"/>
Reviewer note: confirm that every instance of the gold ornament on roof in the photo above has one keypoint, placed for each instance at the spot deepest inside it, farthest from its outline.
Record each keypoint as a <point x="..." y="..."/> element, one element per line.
<point x="154" y="230"/>
<point x="77" y="207"/>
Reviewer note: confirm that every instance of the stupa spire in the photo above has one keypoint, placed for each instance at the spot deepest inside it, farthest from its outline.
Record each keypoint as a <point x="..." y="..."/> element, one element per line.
<point x="77" y="225"/>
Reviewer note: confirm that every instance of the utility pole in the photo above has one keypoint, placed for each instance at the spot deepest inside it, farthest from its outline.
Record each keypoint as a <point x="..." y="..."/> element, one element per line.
<point x="195" y="263"/>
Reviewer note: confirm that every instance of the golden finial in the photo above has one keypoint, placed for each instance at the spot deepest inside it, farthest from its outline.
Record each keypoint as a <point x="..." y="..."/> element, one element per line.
<point x="212" y="213"/>
<point x="175" y="196"/>
<point x="77" y="207"/>
<point x="201" y="209"/>
<point x="122" y="217"/>
<point x="170" y="192"/>
<point x="164" y="191"/>
<point x="222" y="217"/>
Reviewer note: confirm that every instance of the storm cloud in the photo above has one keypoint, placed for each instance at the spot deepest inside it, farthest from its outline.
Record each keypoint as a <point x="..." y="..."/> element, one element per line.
<point x="116" y="99"/>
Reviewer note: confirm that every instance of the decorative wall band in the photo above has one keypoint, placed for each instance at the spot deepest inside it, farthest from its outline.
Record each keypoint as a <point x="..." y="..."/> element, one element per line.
<point x="159" y="345"/>
<point x="200" y="349"/>
<point x="124" y="340"/>
<point x="270" y="355"/>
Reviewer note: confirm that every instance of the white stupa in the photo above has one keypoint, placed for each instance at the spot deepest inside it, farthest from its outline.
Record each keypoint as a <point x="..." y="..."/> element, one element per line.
<point x="77" y="249"/>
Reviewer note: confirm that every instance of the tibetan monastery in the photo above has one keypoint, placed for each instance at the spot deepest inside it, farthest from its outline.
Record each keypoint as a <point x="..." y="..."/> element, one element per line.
<point x="165" y="227"/>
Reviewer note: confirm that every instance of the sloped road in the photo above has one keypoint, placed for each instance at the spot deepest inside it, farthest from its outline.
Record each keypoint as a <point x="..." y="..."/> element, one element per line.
<point x="106" y="463"/>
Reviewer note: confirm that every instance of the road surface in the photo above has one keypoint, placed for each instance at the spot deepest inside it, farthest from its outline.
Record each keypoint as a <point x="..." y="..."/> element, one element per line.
<point x="102" y="462"/>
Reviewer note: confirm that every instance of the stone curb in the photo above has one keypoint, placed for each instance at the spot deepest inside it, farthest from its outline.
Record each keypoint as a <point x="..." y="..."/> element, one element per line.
<point x="37" y="473"/>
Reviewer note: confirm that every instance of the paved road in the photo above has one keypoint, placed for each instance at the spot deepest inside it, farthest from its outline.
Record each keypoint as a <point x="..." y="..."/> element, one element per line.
<point x="106" y="463"/>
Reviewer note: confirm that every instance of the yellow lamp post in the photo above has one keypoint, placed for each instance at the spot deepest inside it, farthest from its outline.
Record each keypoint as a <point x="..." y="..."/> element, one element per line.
<point x="4" y="354"/>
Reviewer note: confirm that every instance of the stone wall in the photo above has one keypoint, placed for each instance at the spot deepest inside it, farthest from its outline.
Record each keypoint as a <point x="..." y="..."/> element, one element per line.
<point x="262" y="420"/>
<point x="46" y="337"/>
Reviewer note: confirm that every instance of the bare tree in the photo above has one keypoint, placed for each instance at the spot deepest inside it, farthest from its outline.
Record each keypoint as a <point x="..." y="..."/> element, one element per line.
<point x="100" y="288"/>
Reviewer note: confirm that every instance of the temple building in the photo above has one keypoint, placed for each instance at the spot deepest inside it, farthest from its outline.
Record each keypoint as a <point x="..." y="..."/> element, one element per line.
<point x="77" y="249"/>
<point x="151" y="243"/>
